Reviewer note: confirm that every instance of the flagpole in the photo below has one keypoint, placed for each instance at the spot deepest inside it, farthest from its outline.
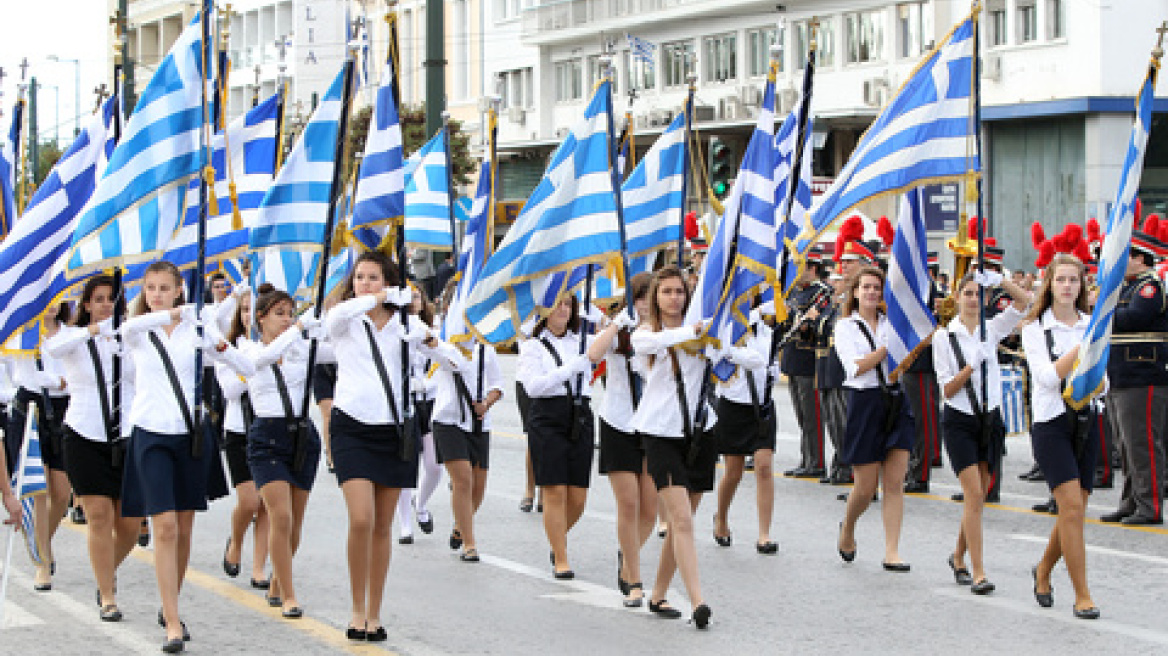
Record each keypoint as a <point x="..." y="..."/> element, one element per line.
<point x="451" y="196"/>
<point x="981" y="219"/>
<point x="32" y="416"/>
<point x="685" y="171"/>
<point x="613" y="154"/>
<point x="201" y="243"/>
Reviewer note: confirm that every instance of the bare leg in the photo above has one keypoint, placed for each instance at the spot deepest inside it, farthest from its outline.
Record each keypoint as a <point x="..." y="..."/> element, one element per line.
<point x="892" y="473"/>
<point x="359" y="502"/>
<point x="247" y="504"/>
<point x="99" y="513"/>
<point x="1072" y="503"/>
<point x="726" y="490"/>
<point x="384" y="503"/>
<point x="166" y="571"/>
<point x="764" y="474"/>
<point x="278" y="500"/>
<point x="555" y="523"/>
<point x="867" y="477"/>
<point x="576" y="501"/>
<point x="326" y="411"/>
<point x="461" y="500"/>
<point x="975" y="483"/>
<point x="681" y="552"/>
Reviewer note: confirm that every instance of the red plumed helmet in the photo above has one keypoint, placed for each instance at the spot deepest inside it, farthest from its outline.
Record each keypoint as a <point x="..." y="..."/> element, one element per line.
<point x="885" y="231"/>
<point x="1152" y="225"/>
<point x="1082" y="252"/>
<point x="1037" y="234"/>
<point x="839" y="248"/>
<point x="1060" y="243"/>
<point x="973" y="223"/>
<point x="1139" y="211"/>
<point x="1074" y="233"/>
<point x="990" y="241"/>
<point x="1045" y="255"/>
<point x="852" y="228"/>
<point x="692" y="231"/>
<point x="1094" y="232"/>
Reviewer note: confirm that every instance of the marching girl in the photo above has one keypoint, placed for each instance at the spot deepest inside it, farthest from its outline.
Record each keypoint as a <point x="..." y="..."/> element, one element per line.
<point x="236" y="418"/>
<point x="530" y="500"/>
<point x="422" y="390"/>
<point x="879" y="432"/>
<point x="276" y="388"/>
<point x="682" y="470"/>
<point x="747" y="427"/>
<point x="324" y="382"/>
<point x="163" y="479"/>
<point x="557" y="377"/>
<point x="38" y="380"/>
<point x="972" y="426"/>
<point x="468" y="385"/>
<point x="93" y="462"/>
<point x="622" y="456"/>
<point x="373" y="459"/>
<point x="1061" y="438"/>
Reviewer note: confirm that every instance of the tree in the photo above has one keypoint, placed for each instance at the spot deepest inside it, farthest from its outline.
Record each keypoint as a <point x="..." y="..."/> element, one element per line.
<point x="413" y="124"/>
<point x="49" y="153"/>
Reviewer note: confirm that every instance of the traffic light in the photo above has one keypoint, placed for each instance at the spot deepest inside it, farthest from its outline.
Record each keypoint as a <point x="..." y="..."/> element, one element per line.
<point x="721" y="167"/>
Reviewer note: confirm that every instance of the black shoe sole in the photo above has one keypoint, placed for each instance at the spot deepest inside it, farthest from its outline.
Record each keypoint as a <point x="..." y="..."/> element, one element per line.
<point x="701" y="616"/>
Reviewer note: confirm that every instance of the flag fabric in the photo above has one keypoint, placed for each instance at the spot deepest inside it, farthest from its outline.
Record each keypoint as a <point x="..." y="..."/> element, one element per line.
<point x="476" y="246"/>
<point x="9" y="160"/>
<point x="568" y="221"/>
<point x="428" y="198"/>
<point x="138" y="203"/>
<point x="906" y="295"/>
<point x="381" y="179"/>
<point x="641" y="50"/>
<point x="920" y="137"/>
<point x="1086" y="379"/>
<point x="29" y="480"/>
<point x="786" y="149"/>
<point x="32" y="258"/>
<point x="749" y="222"/>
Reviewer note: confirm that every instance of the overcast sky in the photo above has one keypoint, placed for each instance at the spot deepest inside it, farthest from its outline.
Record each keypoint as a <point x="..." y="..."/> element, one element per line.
<point x="70" y="29"/>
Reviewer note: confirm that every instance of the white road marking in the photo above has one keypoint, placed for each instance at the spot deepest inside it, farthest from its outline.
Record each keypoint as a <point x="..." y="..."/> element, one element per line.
<point x="581" y="592"/>
<point x="1105" y="551"/>
<point x="16" y="617"/>
<point x="1063" y="615"/>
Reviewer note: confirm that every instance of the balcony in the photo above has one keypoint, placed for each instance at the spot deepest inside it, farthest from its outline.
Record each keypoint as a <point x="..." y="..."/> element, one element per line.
<point x="565" y="20"/>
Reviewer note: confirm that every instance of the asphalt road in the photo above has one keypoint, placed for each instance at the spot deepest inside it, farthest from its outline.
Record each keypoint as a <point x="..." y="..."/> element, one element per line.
<point x="804" y="600"/>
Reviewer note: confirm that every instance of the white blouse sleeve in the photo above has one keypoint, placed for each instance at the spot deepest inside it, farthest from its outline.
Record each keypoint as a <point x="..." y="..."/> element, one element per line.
<point x="944" y="364"/>
<point x="1038" y="357"/>
<point x="336" y="322"/>
<point x="648" y="342"/>
<point x="850" y="345"/>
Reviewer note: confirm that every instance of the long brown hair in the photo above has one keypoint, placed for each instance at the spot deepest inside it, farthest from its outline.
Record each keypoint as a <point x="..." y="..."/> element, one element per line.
<point x="388" y="271"/>
<point x="91" y="286"/>
<point x="851" y="302"/>
<point x="665" y="273"/>
<point x="573" y="319"/>
<point x="639" y="285"/>
<point x="139" y="306"/>
<point x="426" y="314"/>
<point x="1046" y="296"/>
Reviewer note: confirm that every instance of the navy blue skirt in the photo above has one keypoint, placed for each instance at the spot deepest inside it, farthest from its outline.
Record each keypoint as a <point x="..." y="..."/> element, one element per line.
<point x="865" y="441"/>
<point x="324" y="381"/>
<point x="962" y="436"/>
<point x="161" y="476"/>
<point x="1054" y="451"/>
<point x="52" y="430"/>
<point x="271" y="454"/>
<point x="371" y="452"/>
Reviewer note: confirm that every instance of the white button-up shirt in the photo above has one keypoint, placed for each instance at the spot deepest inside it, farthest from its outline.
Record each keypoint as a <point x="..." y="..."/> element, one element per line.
<point x="70" y="347"/>
<point x="851" y="345"/>
<point x="659" y="413"/>
<point x="754" y="357"/>
<point x="47" y="377"/>
<point x="450" y="407"/>
<point x="1046" y="394"/>
<point x="359" y="392"/>
<point x="945" y="362"/>
<point x="616" y="408"/>
<point x="155" y="407"/>
<point x="542" y="378"/>
<point x="233" y="387"/>
<point x="7" y="387"/>
<point x="289" y="351"/>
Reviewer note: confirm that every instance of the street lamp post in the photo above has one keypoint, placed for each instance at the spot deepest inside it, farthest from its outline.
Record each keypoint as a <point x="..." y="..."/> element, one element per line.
<point x="57" y="113"/>
<point x="76" y="93"/>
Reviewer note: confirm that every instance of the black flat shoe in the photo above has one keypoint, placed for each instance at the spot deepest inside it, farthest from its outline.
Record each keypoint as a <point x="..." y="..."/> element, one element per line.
<point x="1091" y="613"/>
<point x="428" y="525"/>
<point x="144" y="537"/>
<point x="767" y="548"/>
<point x="111" y="613"/>
<point x="261" y="584"/>
<point x="172" y="646"/>
<point x="469" y="556"/>
<point x="896" y="567"/>
<point x="162" y="623"/>
<point x="293" y="613"/>
<point x="565" y="575"/>
<point x="701" y="616"/>
<point x="377" y="635"/>
<point x="660" y="609"/>
<point x="274" y="602"/>
<point x="634" y="602"/>
<point x="960" y="574"/>
<point x="526" y="504"/>
<point x="982" y="587"/>
<point x="406" y="539"/>
<point x="354" y="633"/>
<point x="847" y="556"/>
<point x="455" y="539"/>
<point x="229" y="568"/>
<point x="722" y="540"/>
<point x="1044" y="599"/>
<point x="42" y="587"/>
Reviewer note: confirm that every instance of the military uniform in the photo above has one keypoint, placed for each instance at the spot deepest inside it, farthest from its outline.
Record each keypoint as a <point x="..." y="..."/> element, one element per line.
<point x="798" y="364"/>
<point x="1138" y="398"/>
<point x="829" y="385"/>
<point x="924" y="399"/>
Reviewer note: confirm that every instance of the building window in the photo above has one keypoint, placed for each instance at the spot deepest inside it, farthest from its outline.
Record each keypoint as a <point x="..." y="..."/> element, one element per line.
<point x="1055" y="20"/>
<point x="639" y="74"/>
<point x="569" y="80"/>
<point x="759" y="44"/>
<point x="677" y="59"/>
<point x="406" y="58"/>
<point x="515" y="88"/>
<point x="461" y="50"/>
<point x="914" y="22"/>
<point x="865" y="36"/>
<point x="1027" y="16"/>
<point x="721" y="57"/>
<point x="594" y="73"/>
<point x="825" y="44"/>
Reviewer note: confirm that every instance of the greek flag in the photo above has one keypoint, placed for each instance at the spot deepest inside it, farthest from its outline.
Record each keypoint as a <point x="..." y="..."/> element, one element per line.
<point x="139" y="201"/>
<point x="922" y="136"/>
<point x="476" y="246"/>
<point x="785" y="156"/>
<point x="295" y="271"/>
<point x="381" y="180"/>
<point x="32" y="257"/>
<point x="428" y="198"/>
<point x="569" y="220"/>
<point x="294" y="211"/>
<point x="750" y="219"/>
<point x="641" y="50"/>
<point x="1086" y="379"/>
<point x="9" y="158"/>
<point x="907" y="293"/>
<point x="29" y="480"/>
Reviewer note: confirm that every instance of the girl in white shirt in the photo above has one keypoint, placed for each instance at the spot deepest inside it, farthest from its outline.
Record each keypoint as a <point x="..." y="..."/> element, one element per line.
<point x="238" y="412"/>
<point x="372" y="457"/>
<point x="622" y="455"/>
<point x="414" y="502"/>
<point x="164" y="479"/>
<point x="974" y="435"/>
<point x="1051" y="342"/>
<point x="879" y="433"/>
<point x="557" y="377"/>
<point x="92" y="433"/>
<point x="680" y="452"/>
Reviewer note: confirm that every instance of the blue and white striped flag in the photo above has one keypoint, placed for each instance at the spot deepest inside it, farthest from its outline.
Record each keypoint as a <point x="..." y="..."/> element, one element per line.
<point x="295" y="271"/>
<point x="1086" y="380"/>
<point x="921" y="136"/>
<point x="907" y="293"/>
<point x="32" y="258"/>
<point x="29" y="480"/>
<point x="9" y="159"/>
<point x="750" y="219"/>
<point x="476" y="246"/>
<point x="785" y="151"/>
<point x="569" y="220"/>
<point x="641" y="50"/>
<point x="381" y="181"/>
<point x="428" y="198"/>
<point x="139" y="201"/>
